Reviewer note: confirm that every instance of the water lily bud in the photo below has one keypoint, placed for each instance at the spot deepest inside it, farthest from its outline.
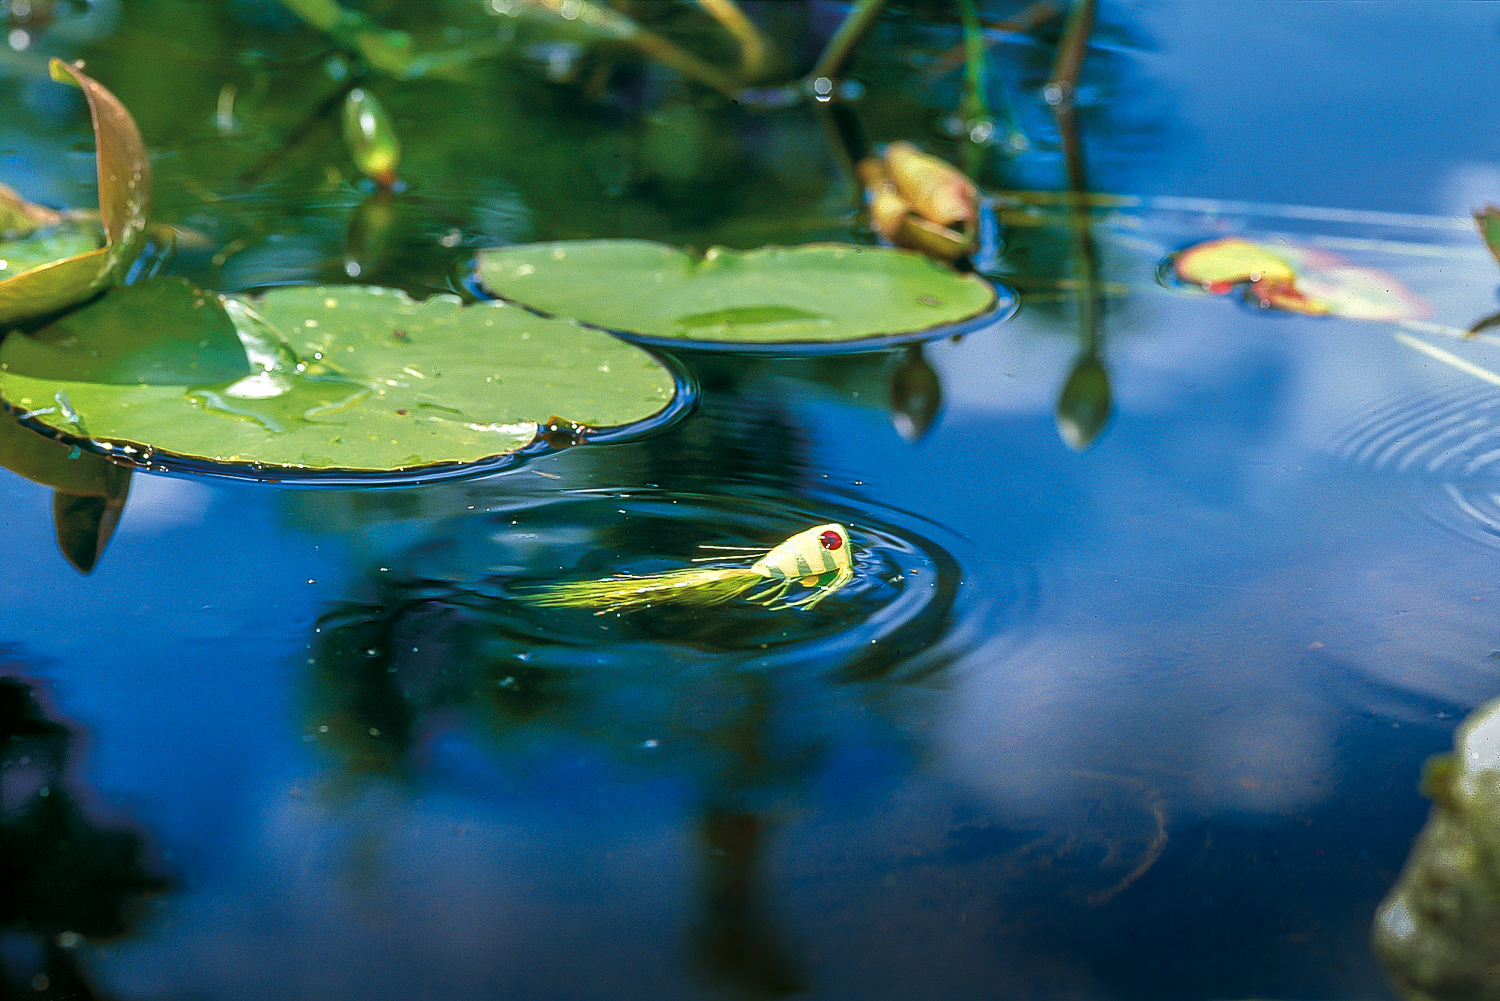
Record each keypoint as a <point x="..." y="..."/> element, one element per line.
<point x="372" y="141"/>
<point x="916" y="395"/>
<point x="1084" y="406"/>
<point x="936" y="190"/>
<point x="916" y="200"/>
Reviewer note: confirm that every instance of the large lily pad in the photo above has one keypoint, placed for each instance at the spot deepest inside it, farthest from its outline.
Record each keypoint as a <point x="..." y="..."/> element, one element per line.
<point x="776" y="296"/>
<point x="361" y="378"/>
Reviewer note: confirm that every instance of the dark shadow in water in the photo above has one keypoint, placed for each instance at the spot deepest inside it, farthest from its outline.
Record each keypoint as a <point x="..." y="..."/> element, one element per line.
<point x="741" y="704"/>
<point x="65" y="880"/>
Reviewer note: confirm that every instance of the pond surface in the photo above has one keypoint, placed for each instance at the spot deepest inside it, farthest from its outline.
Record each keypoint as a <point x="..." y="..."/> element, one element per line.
<point x="1141" y="721"/>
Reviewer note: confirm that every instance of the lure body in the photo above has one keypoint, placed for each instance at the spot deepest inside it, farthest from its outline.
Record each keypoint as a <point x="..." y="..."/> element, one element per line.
<point x="818" y="558"/>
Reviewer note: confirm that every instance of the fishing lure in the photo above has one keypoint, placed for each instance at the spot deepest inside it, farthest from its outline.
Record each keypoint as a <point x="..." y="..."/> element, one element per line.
<point x="818" y="558"/>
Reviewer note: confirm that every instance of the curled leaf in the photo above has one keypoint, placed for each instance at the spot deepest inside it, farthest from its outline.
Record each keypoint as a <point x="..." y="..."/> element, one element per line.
<point x="937" y="191"/>
<point x="124" y="203"/>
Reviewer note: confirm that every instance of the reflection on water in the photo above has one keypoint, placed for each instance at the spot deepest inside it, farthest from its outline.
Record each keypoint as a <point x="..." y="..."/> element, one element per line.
<point x="742" y="706"/>
<point x="67" y="882"/>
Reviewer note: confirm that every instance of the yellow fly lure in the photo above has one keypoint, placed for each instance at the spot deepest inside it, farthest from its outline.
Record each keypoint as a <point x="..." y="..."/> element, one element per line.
<point x="818" y="558"/>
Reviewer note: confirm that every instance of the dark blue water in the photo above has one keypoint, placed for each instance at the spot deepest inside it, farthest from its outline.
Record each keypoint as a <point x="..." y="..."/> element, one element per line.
<point x="1144" y="721"/>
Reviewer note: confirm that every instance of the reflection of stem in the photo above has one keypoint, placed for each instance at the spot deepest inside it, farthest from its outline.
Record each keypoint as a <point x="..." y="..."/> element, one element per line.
<point x="734" y="942"/>
<point x="841" y="46"/>
<point x="1071" y="49"/>
<point x="623" y="29"/>
<point x="1059" y="93"/>
<point x="1037" y="14"/>
<point x="753" y="46"/>
<point x="846" y="138"/>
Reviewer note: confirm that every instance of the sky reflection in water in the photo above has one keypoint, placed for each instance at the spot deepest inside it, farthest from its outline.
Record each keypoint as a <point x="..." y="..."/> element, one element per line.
<point x="1158" y="736"/>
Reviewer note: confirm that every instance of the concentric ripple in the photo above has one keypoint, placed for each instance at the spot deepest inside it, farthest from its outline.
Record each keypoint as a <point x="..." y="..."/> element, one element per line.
<point x="450" y="630"/>
<point x="896" y="611"/>
<point x="1447" y="448"/>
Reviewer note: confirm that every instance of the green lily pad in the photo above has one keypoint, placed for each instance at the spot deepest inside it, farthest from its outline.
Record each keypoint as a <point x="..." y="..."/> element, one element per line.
<point x="358" y="378"/>
<point x="775" y="296"/>
<point x="162" y="331"/>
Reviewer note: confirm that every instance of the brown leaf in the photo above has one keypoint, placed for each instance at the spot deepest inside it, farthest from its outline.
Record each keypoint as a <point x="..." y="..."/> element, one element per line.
<point x="124" y="169"/>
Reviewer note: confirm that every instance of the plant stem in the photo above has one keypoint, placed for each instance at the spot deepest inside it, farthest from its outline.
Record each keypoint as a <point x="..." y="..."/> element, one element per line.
<point x="841" y="46"/>
<point x="621" y="28"/>
<point x="754" y="48"/>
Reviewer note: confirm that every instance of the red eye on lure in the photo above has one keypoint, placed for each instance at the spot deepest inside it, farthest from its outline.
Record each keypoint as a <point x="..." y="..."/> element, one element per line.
<point x="818" y="558"/>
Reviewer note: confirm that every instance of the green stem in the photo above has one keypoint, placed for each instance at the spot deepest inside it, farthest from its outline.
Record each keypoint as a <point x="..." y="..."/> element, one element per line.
<point x="841" y="46"/>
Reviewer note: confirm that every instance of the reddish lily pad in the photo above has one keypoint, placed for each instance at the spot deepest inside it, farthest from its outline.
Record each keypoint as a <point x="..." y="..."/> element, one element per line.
<point x="1297" y="279"/>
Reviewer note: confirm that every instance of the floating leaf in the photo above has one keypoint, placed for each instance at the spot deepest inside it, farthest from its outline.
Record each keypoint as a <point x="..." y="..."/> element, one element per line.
<point x="124" y="202"/>
<point x="162" y="331"/>
<point x="1297" y="279"/>
<point x="382" y="383"/>
<point x="819" y="293"/>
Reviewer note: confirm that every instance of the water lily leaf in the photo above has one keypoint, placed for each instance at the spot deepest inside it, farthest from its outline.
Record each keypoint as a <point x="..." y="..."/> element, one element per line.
<point x="124" y="202"/>
<point x="362" y="378"/>
<point x="818" y="293"/>
<point x="53" y="464"/>
<point x="162" y="331"/>
<point x="1297" y="279"/>
<point x="44" y="247"/>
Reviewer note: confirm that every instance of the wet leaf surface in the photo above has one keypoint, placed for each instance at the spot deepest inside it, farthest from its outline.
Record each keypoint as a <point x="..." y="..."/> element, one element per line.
<point x="818" y="293"/>
<point x="162" y="332"/>
<point x="361" y="378"/>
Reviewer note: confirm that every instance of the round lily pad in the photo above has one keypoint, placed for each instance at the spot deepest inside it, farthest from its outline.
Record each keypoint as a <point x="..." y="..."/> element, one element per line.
<point x="356" y="378"/>
<point x="822" y="295"/>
